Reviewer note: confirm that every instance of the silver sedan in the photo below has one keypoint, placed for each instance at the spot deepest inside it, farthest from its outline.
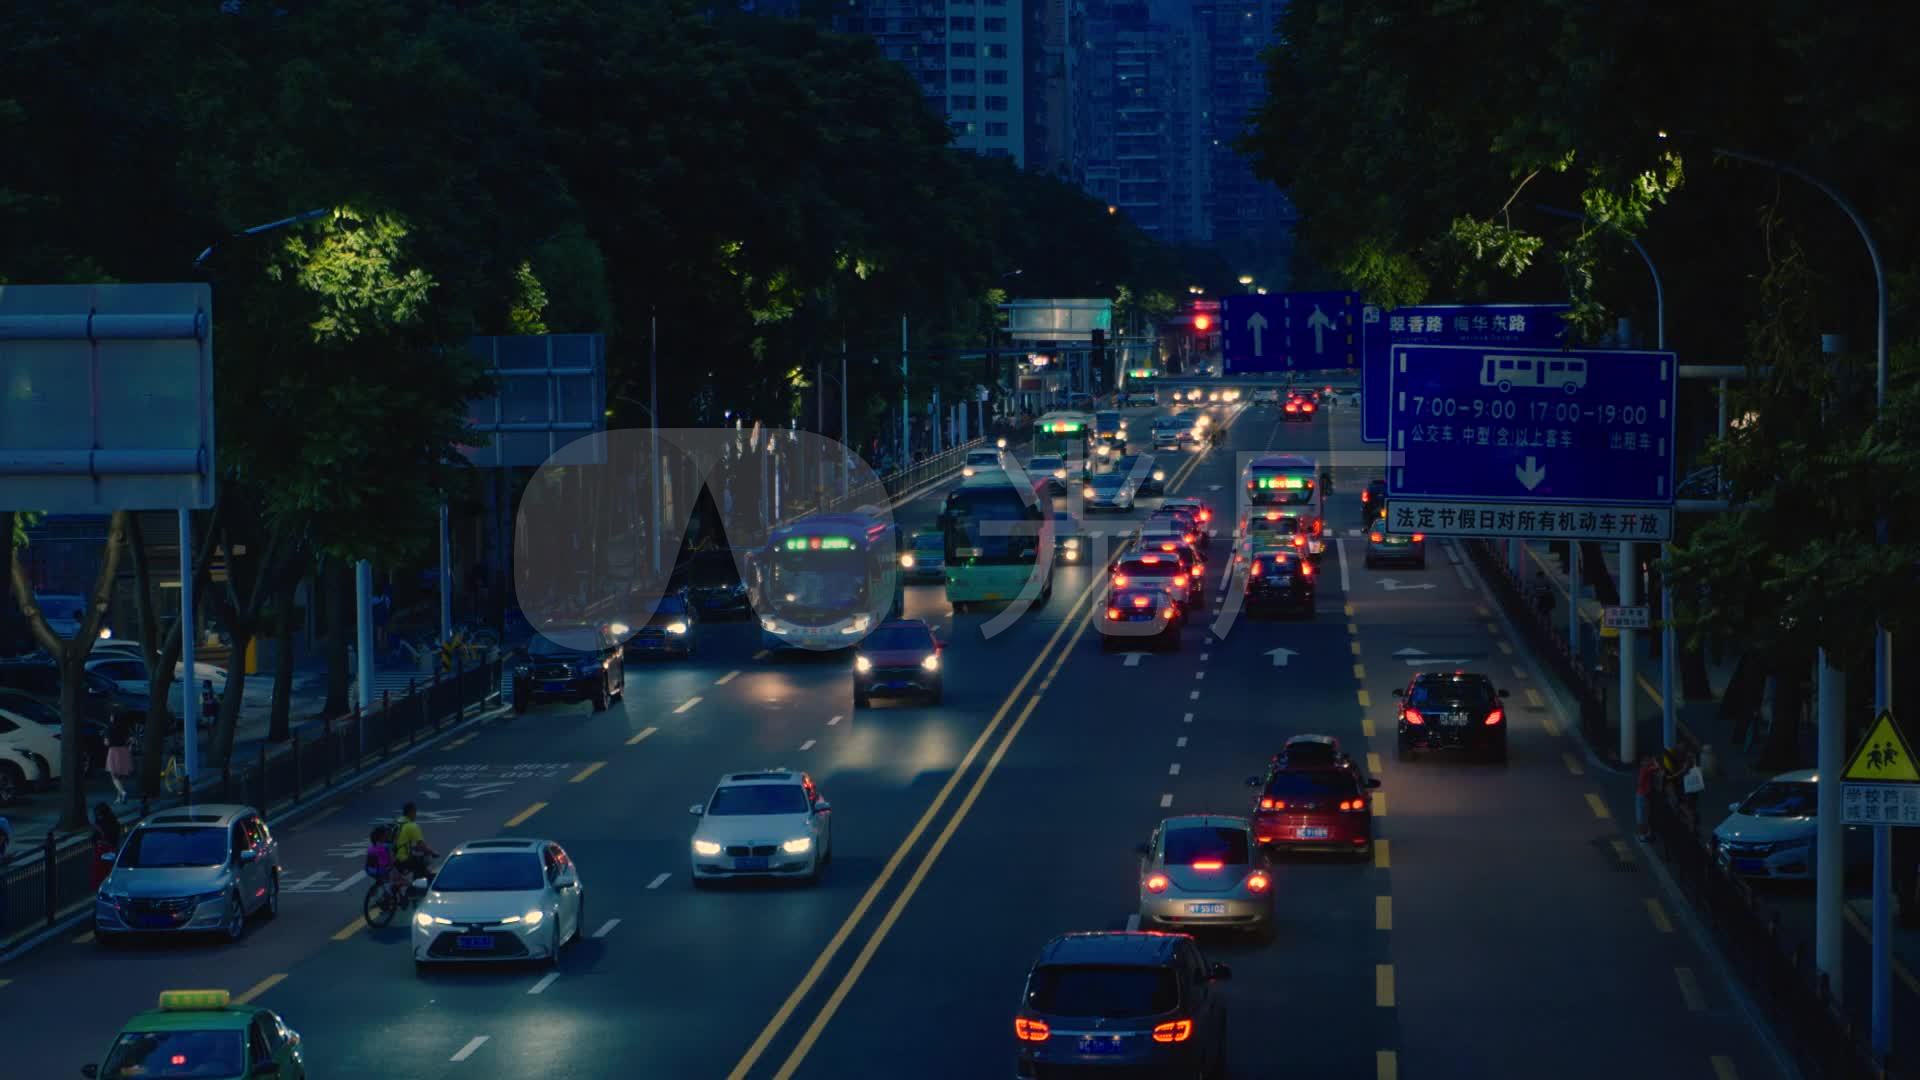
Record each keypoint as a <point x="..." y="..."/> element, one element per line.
<point x="1204" y="870"/>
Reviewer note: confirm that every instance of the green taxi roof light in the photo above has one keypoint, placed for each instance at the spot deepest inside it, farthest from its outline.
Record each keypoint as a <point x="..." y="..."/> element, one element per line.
<point x="194" y="1000"/>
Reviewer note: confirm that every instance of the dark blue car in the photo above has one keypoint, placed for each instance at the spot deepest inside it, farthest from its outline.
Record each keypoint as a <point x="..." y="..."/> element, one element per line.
<point x="672" y="630"/>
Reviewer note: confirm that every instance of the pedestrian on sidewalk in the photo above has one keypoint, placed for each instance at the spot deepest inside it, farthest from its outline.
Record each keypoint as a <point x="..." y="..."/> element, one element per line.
<point x="1693" y="781"/>
<point x="107" y="835"/>
<point x="120" y="754"/>
<point x="1643" y="790"/>
<point x="209" y="704"/>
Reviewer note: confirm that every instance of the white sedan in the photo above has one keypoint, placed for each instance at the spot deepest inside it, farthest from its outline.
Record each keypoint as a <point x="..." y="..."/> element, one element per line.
<point x="508" y="898"/>
<point x="771" y="823"/>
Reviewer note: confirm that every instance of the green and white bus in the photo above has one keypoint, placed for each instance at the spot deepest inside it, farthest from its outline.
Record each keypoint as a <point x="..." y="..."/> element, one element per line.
<point x="999" y="539"/>
<point x="1068" y="436"/>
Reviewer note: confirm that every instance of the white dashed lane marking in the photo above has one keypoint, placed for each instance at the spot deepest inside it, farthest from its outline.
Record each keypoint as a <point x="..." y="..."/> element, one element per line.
<point x="466" y="1051"/>
<point x="607" y="927"/>
<point x="545" y="981"/>
<point x="688" y="704"/>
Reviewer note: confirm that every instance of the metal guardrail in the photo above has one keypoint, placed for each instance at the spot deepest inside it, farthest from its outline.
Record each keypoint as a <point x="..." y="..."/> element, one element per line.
<point x="1589" y="687"/>
<point x="55" y="879"/>
<point x="886" y="488"/>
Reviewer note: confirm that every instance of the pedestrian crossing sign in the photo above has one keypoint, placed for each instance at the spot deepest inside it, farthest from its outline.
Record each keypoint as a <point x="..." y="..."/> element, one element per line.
<point x="1883" y="756"/>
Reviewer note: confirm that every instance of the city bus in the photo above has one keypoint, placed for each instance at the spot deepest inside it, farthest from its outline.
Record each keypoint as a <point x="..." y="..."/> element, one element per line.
<point x="1066" y="435"/>
<point x="999" y="539"/>
<point x="824" y="581"/>
<point x="1506" y="372"/>
<point x="1292" y="484"/>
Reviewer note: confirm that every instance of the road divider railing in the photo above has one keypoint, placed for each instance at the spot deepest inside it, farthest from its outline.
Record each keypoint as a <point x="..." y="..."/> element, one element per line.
<point x="1587" y="685"/>
<point x="1824" y="1039"/>
<point x="54" y="880"/>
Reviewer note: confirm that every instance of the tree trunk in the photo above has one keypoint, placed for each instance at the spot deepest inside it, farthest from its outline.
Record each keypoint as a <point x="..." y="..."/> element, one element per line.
<point x="162" y="653"/>
<point x="1782" y="749"/>
<point x="279" y="726"/>
<point x="1593" y="571"/>
<point x="234" y="695"/>
<point x="337" y="587"/>
<point x="1740" y="705"/>
<point x="1696" y="683"/>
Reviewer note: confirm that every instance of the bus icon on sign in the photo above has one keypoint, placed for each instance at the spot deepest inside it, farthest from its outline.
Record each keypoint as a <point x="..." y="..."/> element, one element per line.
<point x="1507" y="372"/>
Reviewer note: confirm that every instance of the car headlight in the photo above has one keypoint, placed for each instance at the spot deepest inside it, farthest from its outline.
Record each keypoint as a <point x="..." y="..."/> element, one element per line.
<point x="1073" y="543"/>
<point x="1061" y="474"/>
<point x="906" y="561"/>
<point x="705" y="847"/>
<point x="423" y="920"/>
<point x="798" y="846"/>
<point x="1087" y="493"/>
<point x="533" y="918"/>
<point x="676" y="628"/>
<point x="966" y="470"/>
<point x="770" y="624"/>
<point x="862" y="664"/>
<point x="931" y="663"/>
<point x="1159" y="475"/>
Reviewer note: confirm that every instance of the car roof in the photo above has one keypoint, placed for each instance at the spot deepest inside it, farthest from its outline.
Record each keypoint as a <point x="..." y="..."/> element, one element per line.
<point x="1133" y="947"/>
<point x="503" y="843"/>
<point x="1206" y="821"/>
<point x="1452" y="676"/>
<point x="1323" y="740"/>
<point x="201" y="814"/>
<point x="231" y="1018"/>
<point x="764" y="777"/>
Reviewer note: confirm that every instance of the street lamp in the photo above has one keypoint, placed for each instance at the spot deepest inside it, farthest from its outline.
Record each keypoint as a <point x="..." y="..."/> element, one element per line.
<point x="1112" y="209"/>
<point x="1247" y="280"/>
<point x="1262" y="290"/>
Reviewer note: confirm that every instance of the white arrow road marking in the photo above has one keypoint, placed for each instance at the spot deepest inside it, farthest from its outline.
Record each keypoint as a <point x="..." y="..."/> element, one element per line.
<point x="1318" y="323"/>
<point x="1258" y="324"/>
<point x="1281" y="656"/>
<point x="1393" y="585"/>
<point x="1531" y="475"/>
<point x="1133" y="659"/>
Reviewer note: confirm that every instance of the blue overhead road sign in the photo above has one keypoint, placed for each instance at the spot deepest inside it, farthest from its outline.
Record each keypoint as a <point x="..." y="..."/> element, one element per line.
<point x="1290" y="332"/>
<point x="1521" y="326"/>
<point x="1571" y="437"/>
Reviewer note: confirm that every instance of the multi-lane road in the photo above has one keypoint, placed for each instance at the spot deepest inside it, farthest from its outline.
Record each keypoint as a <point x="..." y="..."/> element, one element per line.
<point x="1506" y="925"/>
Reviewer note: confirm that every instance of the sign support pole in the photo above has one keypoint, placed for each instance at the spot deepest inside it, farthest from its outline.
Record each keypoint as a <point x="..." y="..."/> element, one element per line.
<point x="1573" y="599"/>
<point x="1829" y="944"/>
<point x="446" y="579"/>
<point x="190" y="687"/>
<point x="363" y="610"/>
<point x="1629" y="638"/>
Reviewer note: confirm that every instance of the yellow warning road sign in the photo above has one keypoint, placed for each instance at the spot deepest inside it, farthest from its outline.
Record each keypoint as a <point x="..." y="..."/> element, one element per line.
<point x="1883" y="756"/>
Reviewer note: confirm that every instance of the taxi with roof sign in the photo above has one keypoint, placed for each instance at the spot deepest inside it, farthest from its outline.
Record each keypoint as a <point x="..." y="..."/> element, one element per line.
<point x="202" y="1035"/>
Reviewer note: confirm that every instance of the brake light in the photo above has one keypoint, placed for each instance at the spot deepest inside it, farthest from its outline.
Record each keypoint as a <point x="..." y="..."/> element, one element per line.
<point x="1149" y="559"/>
<point x="1318" y="526"/>
<point x="1299" y="541"/>
<point x="1417" y="537"/>
<point x="1208" y="864"/>
<point x="1173" y="1031"/>
<point x="1168" y="546"/>
<point x="1495" y="717"/>
<point x="1113" y="613"/>
<point x="1377" y="537"/>
<point x="1255" y="572"/>
<point x="1030" y="1030"/>
<point x="1411" y="717"/>
<point x="1170" y="613"/>
<point x="1353" y="804"/>
<point x="1189" y="538"/>
<point x="1180" y="581"/>
<point x="1307" y="406"/>
<point x="1157" y="883"/>
<point x="1306" y="569"/>
<point x="1206" y="515"/>
<point x="1141" y="601"/>
<point x="1273" y="515"/>
<point x="1119" y="581"/>
<point x="1291" y="407"/>
<point x="1273" y="804"/>
<point x="1258" y="882"/>
<point x="1366" y="496"/>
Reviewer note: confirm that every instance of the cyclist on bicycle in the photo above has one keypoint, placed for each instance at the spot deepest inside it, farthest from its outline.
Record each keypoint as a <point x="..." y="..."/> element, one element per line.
<point x="410" y="848"/>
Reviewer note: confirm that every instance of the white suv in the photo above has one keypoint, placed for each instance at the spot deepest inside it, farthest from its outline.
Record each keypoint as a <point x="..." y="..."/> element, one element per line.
<point x="762" y="824"/>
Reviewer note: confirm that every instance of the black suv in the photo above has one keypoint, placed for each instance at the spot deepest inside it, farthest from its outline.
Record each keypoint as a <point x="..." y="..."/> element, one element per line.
<point x="1133" y="1002"/>
<point x="1373" y="503"/>
<point x="571" y="663"/>
<point x="1280" y="581"/>
<point x="713" y="584"/>
<point x="1452" y="711"/>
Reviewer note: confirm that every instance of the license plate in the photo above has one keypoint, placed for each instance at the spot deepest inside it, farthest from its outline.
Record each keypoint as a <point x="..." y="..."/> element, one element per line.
<point x="1282" y="581"/>
<point x="1311" y="832"/>
<point x="756" y="863"/>
<point x="473" y="942"/>
<point x="897" y="684"/>
<point x="553" y="688"/>
<point x="1454" y="719"/>
<point x="156" y="920"/>
<point x="1206" y="909"/>
<point x="992" y="596"/>
<point x="967" y="553"/>
<point x="1749" y="866"/>
<point x="1100" y="1044"/>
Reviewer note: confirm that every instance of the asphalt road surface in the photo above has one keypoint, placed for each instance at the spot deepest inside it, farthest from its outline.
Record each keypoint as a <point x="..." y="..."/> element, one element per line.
<point x="1506" y="926"/>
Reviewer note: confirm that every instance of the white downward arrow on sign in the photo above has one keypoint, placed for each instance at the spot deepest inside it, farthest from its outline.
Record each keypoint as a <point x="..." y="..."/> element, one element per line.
<point x="1280" y="656"/>
<point x="1393" y="584"/>
<point x="1531" y="475"/>
<point x="1133" y="659"/>
<point x="1258" y="324"/>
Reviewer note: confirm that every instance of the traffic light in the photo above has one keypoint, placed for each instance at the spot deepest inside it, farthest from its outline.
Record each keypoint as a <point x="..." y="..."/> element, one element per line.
<point x="1203" y="322"/>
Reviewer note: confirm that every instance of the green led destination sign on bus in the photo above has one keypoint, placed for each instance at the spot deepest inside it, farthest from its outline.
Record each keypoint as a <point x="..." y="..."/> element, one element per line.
<point x="818" y="543"/>
<point x="1060" y="426"/>
<point x="1287" y="483"/>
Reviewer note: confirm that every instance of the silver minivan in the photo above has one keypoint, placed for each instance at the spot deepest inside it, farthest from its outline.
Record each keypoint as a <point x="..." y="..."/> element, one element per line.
<point x="193" y="869"/>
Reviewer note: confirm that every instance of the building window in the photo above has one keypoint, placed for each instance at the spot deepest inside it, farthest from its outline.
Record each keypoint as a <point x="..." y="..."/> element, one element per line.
<point x="962" y="101"/>
<point x="996" y="104"/>
<point x="996" y="26"/>
<point x="996" y="52"/>
<point x="996" y="127"/>
<point x="996" y="76"/>
<point x="963" y="48"/>
<point x="960" y="22"/>
<point x="963" y="127"/>
<point x="962" y="75"/>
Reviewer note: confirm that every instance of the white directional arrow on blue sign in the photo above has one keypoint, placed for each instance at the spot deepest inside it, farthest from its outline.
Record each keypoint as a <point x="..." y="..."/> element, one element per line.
<point x="1531" y="475"/>
<point x="1258" y="324"/>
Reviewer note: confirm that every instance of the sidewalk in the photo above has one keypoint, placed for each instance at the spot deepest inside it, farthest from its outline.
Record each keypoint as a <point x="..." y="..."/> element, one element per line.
<point x="1733" y="778"/>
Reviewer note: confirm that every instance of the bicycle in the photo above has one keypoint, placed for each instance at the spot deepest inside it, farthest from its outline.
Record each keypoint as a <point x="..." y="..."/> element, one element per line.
<point x="384" y="898"/>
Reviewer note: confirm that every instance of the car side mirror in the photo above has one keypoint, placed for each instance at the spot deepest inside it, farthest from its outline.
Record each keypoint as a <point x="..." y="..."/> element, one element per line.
<point x="1253" y="781"/>
<point x="1373" y="781"/>
<point x="1219" y="973"/>
<point x="89" y="1071"/>
<point x="1505" y="692"/>
<point x="108" y="856"/>
<point x="1399" y="691"/>
<point x="266" y="1068"/>
<point x="1733" y="807"/>
<point x="697" y="809"/>
<point x="421" y="883"/>
<point x="821" y="806"/>
<point x="248" y="856"/>
<point x="1143" y="848"/>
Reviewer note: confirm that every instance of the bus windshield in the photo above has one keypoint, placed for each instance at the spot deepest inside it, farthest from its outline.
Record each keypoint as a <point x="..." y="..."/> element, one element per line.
<point x="993" y="524"/>
<point x="825" y="582"/>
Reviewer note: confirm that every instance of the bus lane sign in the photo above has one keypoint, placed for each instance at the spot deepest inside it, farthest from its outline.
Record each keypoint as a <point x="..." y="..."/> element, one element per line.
<point x="1580" y="443"/>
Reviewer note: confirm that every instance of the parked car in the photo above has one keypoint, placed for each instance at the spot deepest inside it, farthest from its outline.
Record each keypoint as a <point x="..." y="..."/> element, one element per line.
<point x="1772" y="832"/>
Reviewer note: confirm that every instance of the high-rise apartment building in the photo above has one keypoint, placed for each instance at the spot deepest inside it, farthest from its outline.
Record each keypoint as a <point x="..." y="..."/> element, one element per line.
<point x="1141" y="118"/>
<point x="1241" y="208"/>
<point x="969" y="58"/>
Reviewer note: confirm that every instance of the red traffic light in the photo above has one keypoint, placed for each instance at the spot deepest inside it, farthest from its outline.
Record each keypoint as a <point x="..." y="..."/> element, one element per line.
<point x="1202" y="322"/>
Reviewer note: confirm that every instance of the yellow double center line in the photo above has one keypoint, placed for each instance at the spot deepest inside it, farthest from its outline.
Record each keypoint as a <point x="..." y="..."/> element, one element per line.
<point x="1077" y="621"/>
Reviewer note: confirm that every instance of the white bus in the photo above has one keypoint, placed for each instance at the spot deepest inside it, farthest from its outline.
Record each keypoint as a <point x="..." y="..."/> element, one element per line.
<point x="1507" y="372"/>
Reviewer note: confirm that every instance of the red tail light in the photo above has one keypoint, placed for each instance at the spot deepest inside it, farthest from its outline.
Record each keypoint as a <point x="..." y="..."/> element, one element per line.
<point x="1173" y="1031"/>
<point x="1306" y="406"/>
<point x="1495" y="717"/>
<point x="1366" y="496"/>
<point x="1417" y="537"/>
<point x="1031" y="1030"/>
<point x="1119" y="581"/>
<point x="1189" y="538"/>
<point x="1306" y="569"/>
<point x="1206" y="515"/>
<point x="1351" y="805"/>
<point x="1170" y="613"/>
<point x="1258" y="882"/>
<point x="1141" y="601"/>
<point x="1377" y="537"/>
<point x="1255" y="572"/>
<point x="1208" y="864"/>
<point x="1291" y="407"/>
<point x="1113" y="613"/>
<point x="1180" y="581"/>
<point x="1157" y="883"/>
<point x="1273" y="804"/>
<point x="1299" y="541"/>
<point x="1411" y="717"/>
<point x="1318" y="526"/>
<point x="1168" y="546"/>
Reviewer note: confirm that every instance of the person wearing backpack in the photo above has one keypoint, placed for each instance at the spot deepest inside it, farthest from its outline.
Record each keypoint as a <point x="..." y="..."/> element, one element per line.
<point x="410" y="848"/>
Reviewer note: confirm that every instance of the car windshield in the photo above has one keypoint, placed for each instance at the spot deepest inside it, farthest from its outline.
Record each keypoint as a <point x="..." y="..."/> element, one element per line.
<point x="1043" y="464"/>
<point x="1167" y="567"/>
<point x="1311" y="785"/>
<point x="1470" y="693"/>
<point x="31" y="708"/>
<point x="1109" y="991"/>
<point x="490" y="871"/>
<point x="1107" y="421"/>
<point x="983" y="457"/>
<point x="828" y="581"/>
<point x="670" y="605"/>
<point x="1310" y="753"/>
<point x="1109" y="480"/>
<point x="1783" y="798"/>
<point x="742" y="800"/>
<point x="712" y="570"/>
<point x="147" y="1054"/>
<point x="928" y="542"/>
<point x="894" y="638"/>
<point x="564" y="641"/>
<point x="156" y="847"/>
<point x="1212" y="843"/>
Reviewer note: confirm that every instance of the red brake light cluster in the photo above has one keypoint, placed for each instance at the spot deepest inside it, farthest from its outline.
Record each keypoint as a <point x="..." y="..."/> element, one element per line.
<point x="1173" y="1031"/>
<point x="1255" y="572"/>
<point x="1141" y="601"/>
<point x="1495" y="717"/>
<point x="1366" y="496"/>
<point x="1293" y="406"/>
<point x="1031" y="1030"/>
<point x="1377" y="537"/>
<point x="1353" y="804"/>
<point x="1206" y="515"/>
<point x="1180" y="581"/>
<point x="1319" y="525"/>
<point x="1411" y="717"/>
<point x="1258" y="882"/>
<point x="1157" y="883"/>
<point x="1306" y="569"/>
<point x="1113" y="613"/>
<point x="1208" y="864"/>
<point x="1417" y="537"/>
<point x="1119" y="581"/>
<point x="1170" y="612"/>
<point x="1273" y="804"/>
